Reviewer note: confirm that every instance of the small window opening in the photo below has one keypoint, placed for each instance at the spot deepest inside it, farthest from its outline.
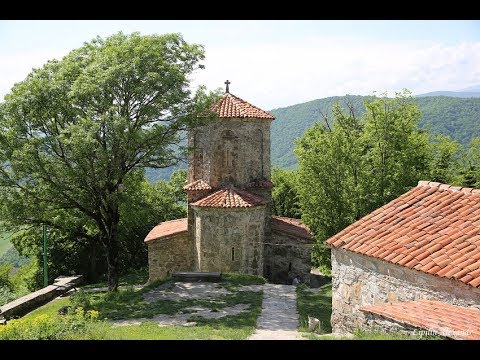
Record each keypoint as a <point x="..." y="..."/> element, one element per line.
<point x="233" y="254"/>
<point x="289" y="266"/>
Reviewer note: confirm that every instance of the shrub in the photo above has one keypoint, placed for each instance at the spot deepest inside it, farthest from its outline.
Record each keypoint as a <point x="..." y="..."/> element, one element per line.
<point x="49" y="327"/>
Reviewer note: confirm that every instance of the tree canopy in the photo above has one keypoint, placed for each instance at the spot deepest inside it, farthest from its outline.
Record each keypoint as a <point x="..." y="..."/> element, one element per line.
<point x="358" y="164"/>
<point x="76" y="134"/>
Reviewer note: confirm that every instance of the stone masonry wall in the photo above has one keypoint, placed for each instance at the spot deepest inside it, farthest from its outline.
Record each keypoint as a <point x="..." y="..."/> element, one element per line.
<point x="235" y="151"/>
<point x="360" y="280"/>
<point x="167" y="255"/>
<point x="287" y="256"/>
<point x="229" y="239"/>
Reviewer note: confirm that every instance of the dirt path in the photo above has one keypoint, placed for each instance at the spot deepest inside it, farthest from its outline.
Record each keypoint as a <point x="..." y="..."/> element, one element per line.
<point x="279" y="317"/>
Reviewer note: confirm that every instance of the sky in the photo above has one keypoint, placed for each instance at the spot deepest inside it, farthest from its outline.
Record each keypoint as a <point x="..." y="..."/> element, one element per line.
<point x="275" y="64"/>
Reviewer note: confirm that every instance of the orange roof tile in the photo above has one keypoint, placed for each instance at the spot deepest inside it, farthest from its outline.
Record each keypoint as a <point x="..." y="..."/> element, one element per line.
<point x="167" y="228"/>
<point x="231" y="106"/>
<point x="429" y="228"/>
<point x="291" y="226"/>
<point x="445" y="319"/>
<point x="197" y="185"/>
<point x="260" y="184"/>
<point x="230" y="198"/>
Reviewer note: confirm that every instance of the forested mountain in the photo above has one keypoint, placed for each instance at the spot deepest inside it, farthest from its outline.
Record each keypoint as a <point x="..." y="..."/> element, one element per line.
<point x="460" y="94"/>
<point x="457" y="117"/>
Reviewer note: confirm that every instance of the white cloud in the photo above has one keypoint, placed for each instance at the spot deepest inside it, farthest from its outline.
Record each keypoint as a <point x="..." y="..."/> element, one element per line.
<point x="273" y="76"/>
<point x="15" y="66"/>
<point x="280" y="76"/>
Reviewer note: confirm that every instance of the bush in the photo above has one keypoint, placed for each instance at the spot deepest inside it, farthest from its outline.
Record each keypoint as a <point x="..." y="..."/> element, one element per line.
<point x="6" y="295"/>
<point x="49" y="327"/>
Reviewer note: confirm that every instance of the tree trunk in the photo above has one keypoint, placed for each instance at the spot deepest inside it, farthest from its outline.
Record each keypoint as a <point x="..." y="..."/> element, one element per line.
<point x="112" y="263"/>
<point x="112" y="249"/>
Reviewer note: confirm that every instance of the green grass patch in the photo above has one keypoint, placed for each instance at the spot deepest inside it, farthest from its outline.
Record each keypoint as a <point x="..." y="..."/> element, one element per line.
<point x="151" y="331"/>
<point x="49" y="309"/>
<point x="45" y="323"/>
<point x="231" y="281"/>
<point x="317" y="305"/>
<point x="132" y="278"/>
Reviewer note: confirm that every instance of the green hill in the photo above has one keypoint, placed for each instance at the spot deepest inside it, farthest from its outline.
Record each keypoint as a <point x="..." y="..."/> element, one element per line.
<point x="454" y="116"/>
<point x="457" y="117"/>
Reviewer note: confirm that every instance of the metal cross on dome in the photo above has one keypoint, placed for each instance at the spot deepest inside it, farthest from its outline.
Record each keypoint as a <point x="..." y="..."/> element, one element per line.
<point x="227" y="90"/>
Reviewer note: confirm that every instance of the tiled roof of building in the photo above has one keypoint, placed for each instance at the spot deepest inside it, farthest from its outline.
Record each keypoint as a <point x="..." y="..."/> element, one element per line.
<point x="197" y="185"/>
<point x="433" y="228"/>
<point x="231" y="106"/>
<point x="291" y="226"/>
<point x="230" y="198"/>
<point x="167" y="228"/>
<point x="260" y="184"/>
<point x="448" y="320"/>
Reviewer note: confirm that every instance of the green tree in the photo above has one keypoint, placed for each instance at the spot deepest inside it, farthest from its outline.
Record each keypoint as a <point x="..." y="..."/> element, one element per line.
<point x="328" y="178"/>
<point x="75" y="132"/>
<point x="178" y="180"/>
<point x="445" y="163"/>
<point x="285" y="198"/>
<point x="396" y="151"/>
<point x="470" y="168"/>
<point x="358" y="164"/>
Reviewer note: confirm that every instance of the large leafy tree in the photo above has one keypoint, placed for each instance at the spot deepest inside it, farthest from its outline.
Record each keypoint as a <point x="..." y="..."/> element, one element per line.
<point x="285" y="200"/>
<point x="358" y="164"/>
<point x="75" y="133"/>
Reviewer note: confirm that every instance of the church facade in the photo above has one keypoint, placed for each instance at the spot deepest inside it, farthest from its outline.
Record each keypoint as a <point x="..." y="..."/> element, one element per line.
<point x="230" y="227"/>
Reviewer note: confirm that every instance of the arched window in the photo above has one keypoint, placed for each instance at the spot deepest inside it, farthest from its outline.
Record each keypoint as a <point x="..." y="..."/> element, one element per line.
<point x="228" y="137"/>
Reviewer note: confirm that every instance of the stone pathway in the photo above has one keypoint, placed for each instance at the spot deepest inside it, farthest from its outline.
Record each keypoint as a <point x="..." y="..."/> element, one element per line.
<point x="279" y="317"/>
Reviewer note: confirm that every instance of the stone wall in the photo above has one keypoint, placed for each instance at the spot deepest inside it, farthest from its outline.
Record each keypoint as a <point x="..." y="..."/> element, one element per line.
<point x="235" y="151"/>
<point x="29" y="302"/>
<point x="360" y="280"/>
<point x="287" y="256"/>
<point x="169" y="254"/>
<point x="229" y="239"/>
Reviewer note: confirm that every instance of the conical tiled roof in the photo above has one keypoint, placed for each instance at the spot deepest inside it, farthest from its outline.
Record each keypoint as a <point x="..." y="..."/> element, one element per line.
<point x="197" y="185"/>
<point x="230" y="198"/>
<point x="231" y="106"/>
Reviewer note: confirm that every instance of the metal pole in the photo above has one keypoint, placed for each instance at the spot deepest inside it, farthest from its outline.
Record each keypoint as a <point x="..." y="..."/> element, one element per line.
<point x="45" y="265"/>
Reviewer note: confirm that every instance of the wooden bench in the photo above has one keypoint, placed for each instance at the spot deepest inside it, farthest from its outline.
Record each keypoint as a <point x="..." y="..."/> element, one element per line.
<point x="197" y="276"/>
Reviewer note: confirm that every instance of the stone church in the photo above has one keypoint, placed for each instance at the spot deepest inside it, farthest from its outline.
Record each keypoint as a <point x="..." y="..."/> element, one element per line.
<point x="230" y="227"/>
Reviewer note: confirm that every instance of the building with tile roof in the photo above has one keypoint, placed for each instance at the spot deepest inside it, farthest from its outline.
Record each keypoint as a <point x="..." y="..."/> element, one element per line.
<point x="229" y="225"/>
<point x="424" y="245"/>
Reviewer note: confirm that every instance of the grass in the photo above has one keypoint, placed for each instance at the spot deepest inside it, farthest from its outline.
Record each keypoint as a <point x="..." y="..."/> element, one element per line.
<point x="5" y="243"/>
<point x="129" y="304"/>
<point x="231" y="281"/>
<point x="49" y="309"/>
<point x="133" y="277"/>
<point x="317" y="305"/>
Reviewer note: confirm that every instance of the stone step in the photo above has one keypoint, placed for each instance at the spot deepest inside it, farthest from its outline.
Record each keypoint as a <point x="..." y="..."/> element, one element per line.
<point x="197" y="276"/>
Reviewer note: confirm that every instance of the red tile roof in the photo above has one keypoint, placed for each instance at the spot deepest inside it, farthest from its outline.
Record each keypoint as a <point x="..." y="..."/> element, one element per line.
<point x="291" y="226"/>
<point x="230" y="198"/>
<point x="197" y="185"/>
<point x="231" y="106"/>
<point x="260" y="184"/>
<point x="433" y="228"/>
<point x="167" y="228"/>
<point x="447" y="320"/>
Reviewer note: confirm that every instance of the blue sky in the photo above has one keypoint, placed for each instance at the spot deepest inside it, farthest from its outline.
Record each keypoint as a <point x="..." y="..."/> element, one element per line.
<point x="279" y="63"/>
